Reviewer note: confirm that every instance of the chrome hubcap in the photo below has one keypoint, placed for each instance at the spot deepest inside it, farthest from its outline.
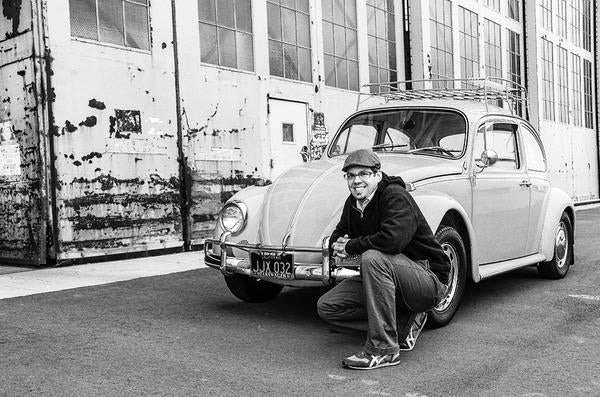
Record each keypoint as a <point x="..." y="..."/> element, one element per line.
<point x="561" y="245"/>
<point x="453" y="277"/>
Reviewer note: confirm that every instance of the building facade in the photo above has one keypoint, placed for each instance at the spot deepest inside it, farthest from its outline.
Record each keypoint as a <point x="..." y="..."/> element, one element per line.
<point x="135" y="121"/>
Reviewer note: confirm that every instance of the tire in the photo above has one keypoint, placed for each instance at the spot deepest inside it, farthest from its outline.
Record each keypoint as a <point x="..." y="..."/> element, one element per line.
<point x="454" y="247"/>
<point x="559" y="265"/>
<point x="251" y="289"/>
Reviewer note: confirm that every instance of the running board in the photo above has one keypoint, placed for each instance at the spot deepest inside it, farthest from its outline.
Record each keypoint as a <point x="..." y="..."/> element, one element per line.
<point x="492" y="269"/>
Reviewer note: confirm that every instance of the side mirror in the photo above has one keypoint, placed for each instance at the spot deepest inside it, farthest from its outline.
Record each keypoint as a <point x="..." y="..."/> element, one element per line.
<point x="489" y="157"/>
<point x="304" y="153"/>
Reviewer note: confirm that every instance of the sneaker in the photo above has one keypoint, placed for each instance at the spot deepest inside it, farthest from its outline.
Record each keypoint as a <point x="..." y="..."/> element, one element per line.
<point x="414" y="332"/>
<point x="364" y="360"/>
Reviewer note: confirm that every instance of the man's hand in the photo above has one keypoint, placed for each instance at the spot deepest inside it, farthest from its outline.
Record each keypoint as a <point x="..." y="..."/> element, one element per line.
<point x="339" y="247"/>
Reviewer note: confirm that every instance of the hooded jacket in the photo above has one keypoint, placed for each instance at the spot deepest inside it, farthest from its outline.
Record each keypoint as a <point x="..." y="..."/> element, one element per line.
<point x="391" y="223"/>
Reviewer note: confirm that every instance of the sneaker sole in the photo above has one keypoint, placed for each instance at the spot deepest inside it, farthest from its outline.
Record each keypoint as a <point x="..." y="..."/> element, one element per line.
<point x="388" y="364"/>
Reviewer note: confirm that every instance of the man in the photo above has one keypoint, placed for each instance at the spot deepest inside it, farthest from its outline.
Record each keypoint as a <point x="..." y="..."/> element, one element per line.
<point x="403" y="267"/>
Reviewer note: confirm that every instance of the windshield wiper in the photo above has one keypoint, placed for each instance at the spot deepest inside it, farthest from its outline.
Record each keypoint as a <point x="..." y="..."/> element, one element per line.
<point x="438" y="149"/>
<point x="387" y="146"/>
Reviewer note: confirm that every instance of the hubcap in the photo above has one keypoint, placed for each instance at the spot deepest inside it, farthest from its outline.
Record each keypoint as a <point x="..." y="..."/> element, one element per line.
<point x="453" y="277"/>
<point x="561" y="245"/>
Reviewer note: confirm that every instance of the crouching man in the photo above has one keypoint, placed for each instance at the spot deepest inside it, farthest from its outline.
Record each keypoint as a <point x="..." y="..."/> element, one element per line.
<point x="403" y="267"/>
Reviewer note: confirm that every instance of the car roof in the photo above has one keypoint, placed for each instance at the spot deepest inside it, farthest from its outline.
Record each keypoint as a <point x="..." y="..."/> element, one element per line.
<point x="474" y="110"/>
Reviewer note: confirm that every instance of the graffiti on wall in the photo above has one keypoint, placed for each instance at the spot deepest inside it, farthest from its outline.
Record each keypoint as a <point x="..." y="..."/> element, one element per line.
<point x="318" y="136"/>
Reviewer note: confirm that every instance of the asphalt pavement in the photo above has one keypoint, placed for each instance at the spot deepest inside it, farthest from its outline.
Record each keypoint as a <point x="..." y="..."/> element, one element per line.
<point x="183" y="333"/>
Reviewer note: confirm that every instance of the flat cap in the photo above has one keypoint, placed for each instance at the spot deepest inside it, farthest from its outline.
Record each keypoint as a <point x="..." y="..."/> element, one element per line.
<point x="362" y="158"/>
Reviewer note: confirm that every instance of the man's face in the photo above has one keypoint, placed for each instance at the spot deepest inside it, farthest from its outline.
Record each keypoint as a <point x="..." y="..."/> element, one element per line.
<point x="362" y="181"/>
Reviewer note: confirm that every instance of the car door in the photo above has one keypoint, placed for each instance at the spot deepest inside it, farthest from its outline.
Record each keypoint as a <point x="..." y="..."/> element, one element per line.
<point x="535" y="162"/>
<point x="500" y="194"/>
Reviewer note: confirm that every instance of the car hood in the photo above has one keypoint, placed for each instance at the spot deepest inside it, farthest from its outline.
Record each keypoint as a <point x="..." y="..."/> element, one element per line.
<point x="304" y="204"/>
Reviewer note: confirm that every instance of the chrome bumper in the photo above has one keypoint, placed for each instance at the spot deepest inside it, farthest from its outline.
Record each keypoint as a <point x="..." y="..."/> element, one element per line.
<point x="325" y="272"/>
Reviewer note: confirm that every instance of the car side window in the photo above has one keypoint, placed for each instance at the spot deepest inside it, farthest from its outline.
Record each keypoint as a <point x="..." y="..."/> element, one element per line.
<point x="500" y="137"/>
<point x="534" y="153"/>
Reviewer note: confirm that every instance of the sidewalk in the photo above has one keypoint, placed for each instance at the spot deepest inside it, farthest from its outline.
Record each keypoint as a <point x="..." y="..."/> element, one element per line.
<point x="22" y="281"/>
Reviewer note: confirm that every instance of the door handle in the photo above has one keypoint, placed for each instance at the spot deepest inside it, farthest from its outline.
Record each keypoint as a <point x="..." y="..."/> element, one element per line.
<point x="525" y="183"/>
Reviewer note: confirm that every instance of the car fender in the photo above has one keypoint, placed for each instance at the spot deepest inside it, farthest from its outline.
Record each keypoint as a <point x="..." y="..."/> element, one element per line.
<point x="434" y="206"/>
<point x="558" y="202"/>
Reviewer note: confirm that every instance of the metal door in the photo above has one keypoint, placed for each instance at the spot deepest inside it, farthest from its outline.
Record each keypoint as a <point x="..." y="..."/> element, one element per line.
<point x="288" y="127"/>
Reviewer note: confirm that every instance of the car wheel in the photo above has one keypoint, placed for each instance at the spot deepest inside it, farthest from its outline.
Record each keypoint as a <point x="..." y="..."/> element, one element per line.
<point x="251" y="289"/>
<point x="559" y="265"/>
<point x="453" y="245"/>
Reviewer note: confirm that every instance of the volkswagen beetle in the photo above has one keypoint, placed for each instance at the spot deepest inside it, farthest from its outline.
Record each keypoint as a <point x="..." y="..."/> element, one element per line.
<point x="477" y="171"/>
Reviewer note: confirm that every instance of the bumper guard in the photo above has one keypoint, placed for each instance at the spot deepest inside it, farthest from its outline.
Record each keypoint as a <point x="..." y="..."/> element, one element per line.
<point x="326" y="272"/>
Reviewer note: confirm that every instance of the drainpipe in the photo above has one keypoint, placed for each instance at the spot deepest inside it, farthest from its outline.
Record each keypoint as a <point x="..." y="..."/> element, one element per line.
<point x="525" y="79"/>
<point x="181" y="159"/>
<point x="407" y="55"/>
<point x="596" y="71"/>
<point x="51" y="244"/>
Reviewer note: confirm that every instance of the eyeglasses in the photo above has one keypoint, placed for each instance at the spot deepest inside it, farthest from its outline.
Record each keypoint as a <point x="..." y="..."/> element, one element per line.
<point x="363" y="176"/>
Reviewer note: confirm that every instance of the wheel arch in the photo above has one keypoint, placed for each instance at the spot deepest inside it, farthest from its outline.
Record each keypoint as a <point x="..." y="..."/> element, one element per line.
<point x="559" y="203"/>
<point x="440" y="209"/>
<point x="454" y="219"/>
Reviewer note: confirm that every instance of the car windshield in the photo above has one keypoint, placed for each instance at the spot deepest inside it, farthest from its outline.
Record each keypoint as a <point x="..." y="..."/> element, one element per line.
<point x="418" y="131"/>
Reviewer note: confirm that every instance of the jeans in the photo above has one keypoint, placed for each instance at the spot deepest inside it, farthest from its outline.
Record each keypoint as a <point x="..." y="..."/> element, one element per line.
<point x="383" y="300"/>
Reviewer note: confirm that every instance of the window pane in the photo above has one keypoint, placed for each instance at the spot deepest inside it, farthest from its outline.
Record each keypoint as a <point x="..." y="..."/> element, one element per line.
<point x="303" y="29"/>
<point x="351" y="13"/>
<point x="338" y="11"/>
<point x="275" y="58"/>
<point x="245" y="53"/>
<point x="83" y="19"/>
<point x="274" y="21"/>
<point x="382" y="55"/>
<point x="373" y="77"/>
<point x="392" y="55"/>
<point x="287" y="132"/>
<point x="227" y="51"/>
<point x="207" y="11"/>
<point x="208" y="44"/>
<point x="136" y="21"/>
<point x="353" y="75"/>
<point x="329" y="71"/>
<point x="225" y="15"/>
<point x="304" y="65"/>
<point x="290" y="58"/>
<point x="340" y="40"/>
<point x="381" y="18"/>
<point x="111" y="21"/>
<point x="327" y="9"/>
<point x="327" y="38"/>
<point x="341" y="69"/>
<point x="303" y="6"/>
<point x="372" y="50"/>
<point x="352" y="43"/>
<point x="289" y="25"/>
<point x="243" y="15"/>
<point x="371" y="29"/>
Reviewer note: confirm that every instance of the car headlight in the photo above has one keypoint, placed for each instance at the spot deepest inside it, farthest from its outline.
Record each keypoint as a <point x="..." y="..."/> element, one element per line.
<point x="233" y="217"/>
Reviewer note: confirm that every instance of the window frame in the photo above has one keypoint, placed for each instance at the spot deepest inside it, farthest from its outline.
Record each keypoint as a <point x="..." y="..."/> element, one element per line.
<point x="296" y="46"/>
<point x="526" y="127"/>
<point x="144" y="3"/>
<point x="217" y="25"/>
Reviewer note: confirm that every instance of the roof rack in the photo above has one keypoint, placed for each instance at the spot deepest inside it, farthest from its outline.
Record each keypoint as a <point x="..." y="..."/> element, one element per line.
<point x="484" y="89"/>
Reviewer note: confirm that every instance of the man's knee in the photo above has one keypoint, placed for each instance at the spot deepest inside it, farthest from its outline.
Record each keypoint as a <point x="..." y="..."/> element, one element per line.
<point x="372" y="260"/>
<point x="324" y="307"/>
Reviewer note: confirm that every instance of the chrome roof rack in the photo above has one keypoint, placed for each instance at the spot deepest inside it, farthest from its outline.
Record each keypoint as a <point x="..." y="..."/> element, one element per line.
<point x="485" y="89"/>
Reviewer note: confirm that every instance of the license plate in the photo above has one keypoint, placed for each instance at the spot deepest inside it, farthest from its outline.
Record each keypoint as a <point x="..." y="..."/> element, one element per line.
<point x="272" y="264"/>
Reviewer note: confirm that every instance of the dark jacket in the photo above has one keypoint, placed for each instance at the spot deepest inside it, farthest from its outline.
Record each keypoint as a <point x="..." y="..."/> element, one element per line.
<point x="391" y="223"/>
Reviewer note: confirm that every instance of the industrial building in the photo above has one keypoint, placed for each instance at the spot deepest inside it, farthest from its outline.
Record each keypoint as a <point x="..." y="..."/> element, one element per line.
<point x="126" y="124"/>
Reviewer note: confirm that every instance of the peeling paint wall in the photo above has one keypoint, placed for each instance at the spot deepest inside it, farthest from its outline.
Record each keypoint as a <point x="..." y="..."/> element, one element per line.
<point x="225" y="117"/>
<point x="115" y="141"/>
<point x="22" y="217"/>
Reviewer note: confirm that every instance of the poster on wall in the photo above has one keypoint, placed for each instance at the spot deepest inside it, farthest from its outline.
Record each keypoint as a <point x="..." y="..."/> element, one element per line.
<point x="10" y="155"/>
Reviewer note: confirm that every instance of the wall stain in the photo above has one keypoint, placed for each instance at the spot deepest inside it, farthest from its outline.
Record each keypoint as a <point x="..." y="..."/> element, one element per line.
<point x="11" y="9"/>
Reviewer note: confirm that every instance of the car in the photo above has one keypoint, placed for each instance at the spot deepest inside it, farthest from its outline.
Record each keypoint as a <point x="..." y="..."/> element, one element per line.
<point x="477" y="170"/>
